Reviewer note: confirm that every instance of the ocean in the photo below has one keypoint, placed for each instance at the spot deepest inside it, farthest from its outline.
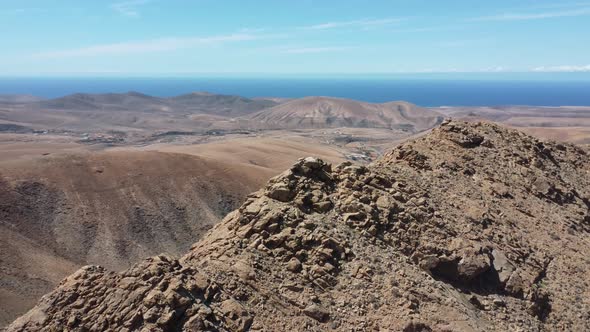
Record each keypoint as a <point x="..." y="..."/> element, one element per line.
<point x="424" y="92"/>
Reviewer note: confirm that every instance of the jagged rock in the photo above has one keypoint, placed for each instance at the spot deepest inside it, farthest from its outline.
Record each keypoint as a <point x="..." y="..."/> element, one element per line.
<point x="322" y="207"/>
<point x="312" y="163"/>
<point x="316" y="312"/>
<point x="429" y="262"/>
<point x="236" y="317"/>
<point x="280" y="192"/>
<point x="473" y="265"/>
<point x="463" y="136"/>
<point x="502" y="266"/>
<point x="472" y="227"/>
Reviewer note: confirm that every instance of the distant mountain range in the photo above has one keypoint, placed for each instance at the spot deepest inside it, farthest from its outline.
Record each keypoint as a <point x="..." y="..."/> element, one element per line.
<point x="18" y="98"/>
<point x="201" y="111"/>
<point x="197" y="102"/>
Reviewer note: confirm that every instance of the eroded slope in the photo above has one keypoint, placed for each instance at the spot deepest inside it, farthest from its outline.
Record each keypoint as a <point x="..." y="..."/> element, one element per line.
<point x="114" y="209"/>
<point x="326" y="112"/>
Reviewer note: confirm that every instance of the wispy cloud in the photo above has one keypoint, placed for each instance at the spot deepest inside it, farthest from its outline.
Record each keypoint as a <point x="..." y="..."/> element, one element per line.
<point x="496" y="69"/>
<point x="427" y="29"/>
<point x="456" y="43"/>
<point x="147" y="46"/>
<point x="251" y="30"/>
<point x="561" y="5"/>
<point x="563" y="69"/>
<point x="15" y="11"/>
<point x="534" y="16"/>
<point x="363" y="24"/>
<point x="129" y="8"/>
<point x="307" y="50"/>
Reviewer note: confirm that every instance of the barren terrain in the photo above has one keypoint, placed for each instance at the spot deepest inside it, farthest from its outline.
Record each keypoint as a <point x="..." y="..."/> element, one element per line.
<point x="472" y="227"/>
<point x="66" y="209"/>
<point x="110" y="179"/>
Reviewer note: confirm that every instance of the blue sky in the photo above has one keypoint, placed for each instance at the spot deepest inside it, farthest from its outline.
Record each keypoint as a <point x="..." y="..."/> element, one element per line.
<point x="182" y="37"/>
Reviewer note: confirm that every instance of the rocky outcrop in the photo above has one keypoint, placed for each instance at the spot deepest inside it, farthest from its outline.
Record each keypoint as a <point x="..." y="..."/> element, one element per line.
<point x="473" y="227"/>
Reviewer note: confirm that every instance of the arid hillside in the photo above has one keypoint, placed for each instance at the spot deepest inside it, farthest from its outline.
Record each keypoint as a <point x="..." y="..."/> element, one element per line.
<point x="112" y="209"/>
<point x="325" y="112"/>
<point x="222" y="105"/>
<point x="60" y="212"/>
<point x="472" y="227"/>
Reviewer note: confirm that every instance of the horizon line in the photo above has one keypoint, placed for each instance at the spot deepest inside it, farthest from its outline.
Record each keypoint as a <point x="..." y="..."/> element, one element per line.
<point x="274" y="75"/>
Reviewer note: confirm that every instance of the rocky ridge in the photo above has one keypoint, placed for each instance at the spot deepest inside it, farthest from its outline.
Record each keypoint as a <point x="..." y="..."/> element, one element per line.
<point x="472" y="227"/>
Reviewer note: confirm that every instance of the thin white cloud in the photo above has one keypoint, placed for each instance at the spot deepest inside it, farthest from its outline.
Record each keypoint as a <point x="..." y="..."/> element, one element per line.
<point x="18" y="10"/>
<point x="129" y="8"/>
<point x="443" y="70"/>
<point x="562" y="69"/>
<point x="426" y="29"/>
<point x="308" y="50"/>
<point x="534" y="16"/>
<point x="453" y="43"/>
<point x="561" y="5"/>
<point x="15" y="11"/>
<point x="146" y="46"/>
<point x="497" y="69"/>
<point x="432" y="71"/>
<point x="461" y="42"/>
<point x="363" y="24"/>
<point x="251" y="30"/>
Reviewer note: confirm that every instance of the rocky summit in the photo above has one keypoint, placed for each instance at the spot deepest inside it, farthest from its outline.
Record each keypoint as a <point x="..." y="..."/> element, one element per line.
<point x="472" y="227"/>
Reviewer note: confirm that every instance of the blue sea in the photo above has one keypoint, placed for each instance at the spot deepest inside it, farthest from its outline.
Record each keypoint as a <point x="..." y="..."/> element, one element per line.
<point x="424" y="92"/>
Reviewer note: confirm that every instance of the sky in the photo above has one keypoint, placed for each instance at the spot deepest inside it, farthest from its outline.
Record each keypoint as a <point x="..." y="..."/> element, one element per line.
<point x="303" y="37"/>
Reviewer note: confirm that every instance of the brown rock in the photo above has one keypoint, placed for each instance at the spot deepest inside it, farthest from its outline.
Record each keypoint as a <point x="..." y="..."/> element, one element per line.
<point x="316" y="312"/>
<point x="383" y="202"/>
<point x="502" y="266"/>
<point x="280" y="192"/>
<point x="472" y="265"/>
<point x="294" y="265"/>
